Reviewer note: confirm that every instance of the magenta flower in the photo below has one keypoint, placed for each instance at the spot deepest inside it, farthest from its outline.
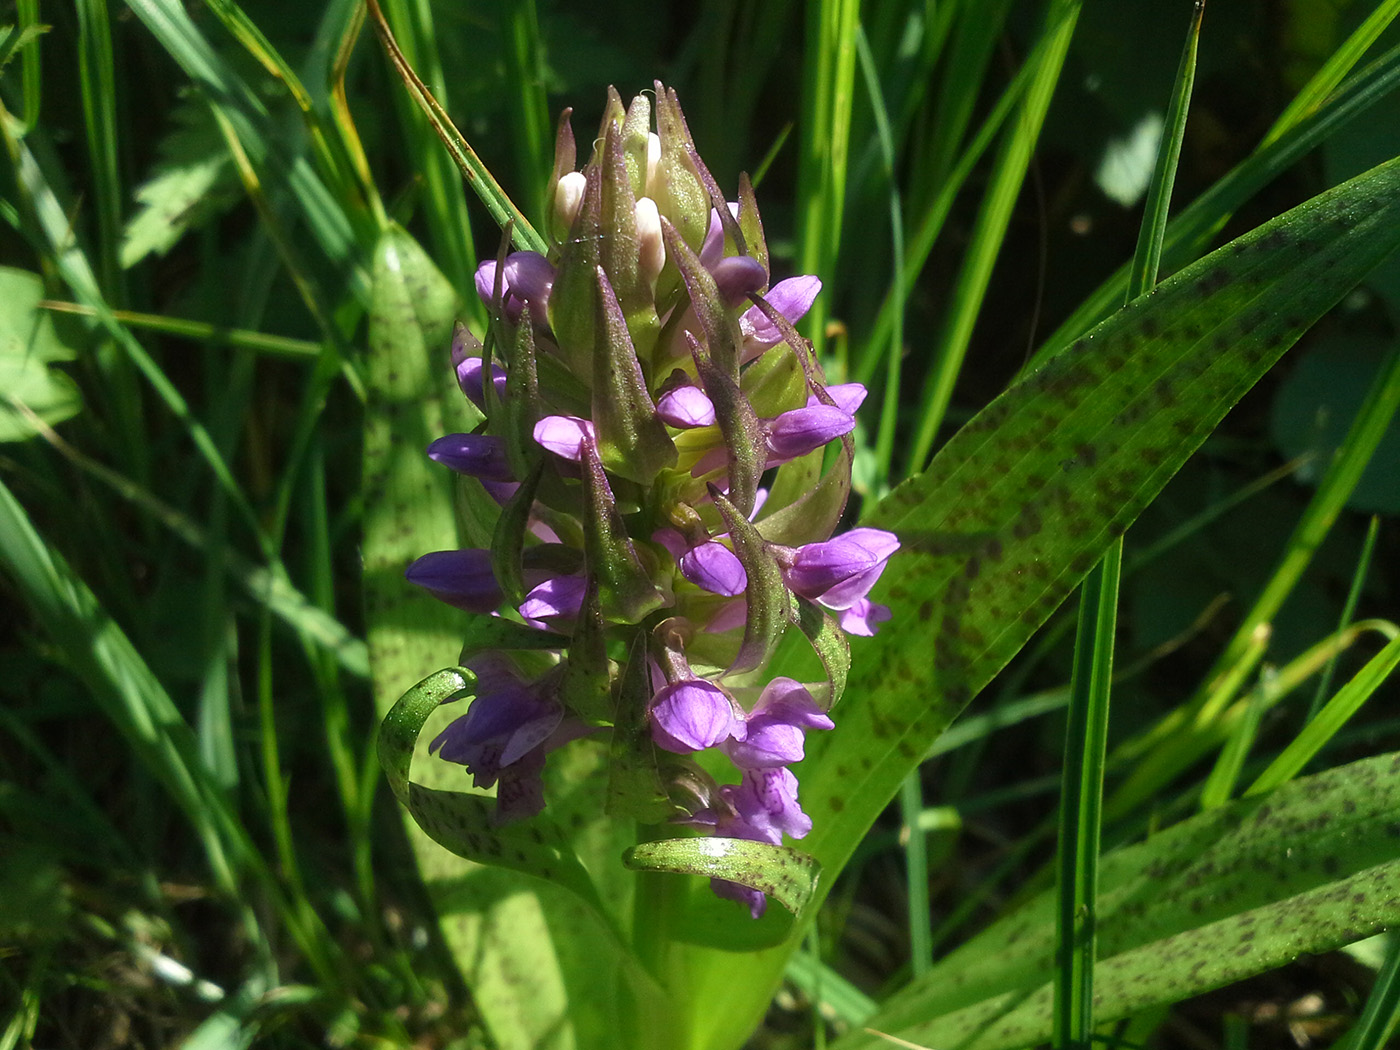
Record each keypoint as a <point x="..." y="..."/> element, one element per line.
<point x="840" y="572"/>
<point x="633" y="430"/>
<point x="693" y="715"/>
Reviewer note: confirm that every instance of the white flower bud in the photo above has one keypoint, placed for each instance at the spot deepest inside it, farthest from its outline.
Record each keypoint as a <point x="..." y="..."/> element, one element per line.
<point x="651" y="248"/>
<point x="568" y="196"/>
<point x="653" y="161"/>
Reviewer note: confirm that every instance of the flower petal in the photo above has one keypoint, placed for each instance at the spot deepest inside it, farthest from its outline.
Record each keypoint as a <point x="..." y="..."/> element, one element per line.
<point x="716" y="568"/>
<point x="798" y="432"/>
<point x="691" y="716"/>
<point x="686" y="407"/>
<point x="476" y="455"/>
<point x="564" y="435"/>
<point x="462" y="578"/>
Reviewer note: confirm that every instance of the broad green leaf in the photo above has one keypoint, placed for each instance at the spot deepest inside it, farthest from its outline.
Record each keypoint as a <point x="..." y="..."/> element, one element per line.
<point x="1216" y="898"/>
<point x="29" y="345"/>
<point x="1020" y="503"/>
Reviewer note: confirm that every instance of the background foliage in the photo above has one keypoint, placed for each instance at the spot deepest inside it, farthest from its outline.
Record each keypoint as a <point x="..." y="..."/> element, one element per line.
<point x="197" y="846"/>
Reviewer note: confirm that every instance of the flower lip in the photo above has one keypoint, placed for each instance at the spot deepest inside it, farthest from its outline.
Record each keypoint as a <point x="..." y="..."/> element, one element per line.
<point x="847" y="396"/>
<point x="692" y="715"/>
<point x="841" y="571"/>
<point x="791" y="298"/>
<point x="557" y="598"/>
<point x="776" y="726"/>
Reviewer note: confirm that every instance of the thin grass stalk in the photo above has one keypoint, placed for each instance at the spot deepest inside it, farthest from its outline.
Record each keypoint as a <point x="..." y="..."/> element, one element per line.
<point x="1381" y="1015"/>
<point x="1332" y="72"/>
<point x="1086" y="740"/>
<point x="1338" y="711"/>
<point x="828" y="90"/>
<point x="1191" y="232"/>
<point x="31" y="76"/>
<point x="1219" y="787"/>
<point x="1335" y="488"/>
<point x="531" y="129"/>
<point x="97" y="84"/>
<point x="894" y="352"/>
<point x="204" y="333"/>
<point x="1008" y="175"/>
<point x="501" y="208"/>
<point x="1358" y="580"/>
<point x="932" y="218"/>
<point x="1086" y="737"/>
<point x="444" y="206"/>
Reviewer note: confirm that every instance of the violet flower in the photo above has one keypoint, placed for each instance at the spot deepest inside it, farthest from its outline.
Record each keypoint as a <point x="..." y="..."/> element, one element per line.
<point x="630" y="430"/>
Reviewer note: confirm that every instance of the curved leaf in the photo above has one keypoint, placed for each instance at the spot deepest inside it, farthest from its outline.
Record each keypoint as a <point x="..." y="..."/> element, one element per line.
<point x="787" y="875"/>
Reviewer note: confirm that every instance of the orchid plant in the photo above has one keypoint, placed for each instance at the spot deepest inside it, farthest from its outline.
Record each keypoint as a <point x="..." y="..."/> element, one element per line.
<point x="667" y="569"/>
<point x="660" y="613"/>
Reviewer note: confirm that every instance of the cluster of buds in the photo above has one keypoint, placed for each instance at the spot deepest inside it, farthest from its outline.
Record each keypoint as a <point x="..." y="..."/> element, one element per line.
<point x="656" y="434"/>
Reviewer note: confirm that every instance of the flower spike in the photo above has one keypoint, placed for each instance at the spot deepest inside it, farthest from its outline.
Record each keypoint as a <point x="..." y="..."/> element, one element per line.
<point x="644" y="566"/>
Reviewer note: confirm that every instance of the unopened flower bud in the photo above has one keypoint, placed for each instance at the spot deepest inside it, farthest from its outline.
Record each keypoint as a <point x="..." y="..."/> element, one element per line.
<point x="568" y="196"/>
<point x="651" y="246"/>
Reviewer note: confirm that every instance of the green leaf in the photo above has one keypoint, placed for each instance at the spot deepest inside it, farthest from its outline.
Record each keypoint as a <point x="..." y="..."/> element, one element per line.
<point x="461" y="822"/>
<point x="29" y="343"/>
<point x="192" y="181"/>
<point x="1214" y="899"/>
<point x="785" y="874"/>
<point x="1019" y="505"/>
<point x="1021" y="502"/>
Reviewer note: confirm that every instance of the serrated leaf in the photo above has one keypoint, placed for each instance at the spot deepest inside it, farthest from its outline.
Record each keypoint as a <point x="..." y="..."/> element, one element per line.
<point x="29" y="344"/>
<point x="192" y="181"/>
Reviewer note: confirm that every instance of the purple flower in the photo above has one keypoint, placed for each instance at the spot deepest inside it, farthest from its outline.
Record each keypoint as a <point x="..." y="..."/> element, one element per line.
<point x="765" y="806"/>
<point x="737" y="276"/>
<point x="840" y="572"/>
<point x="554" y="602"/>
<point x="776" y="727"/>
<point x="528" y="278"/>
<point x="470" y="378"/>
<point x="692" y="715"/>
<point x="462" y="578"/>
<point x="476" y="455"/>
<point x="564" y="435"/>
<point x="791" y="298"/>
<point x="862" y="617"/>
<point x="848" y="397"/>
<point x="714" y="567"/>
<point x="686" y="407"/>
<point x="803" y="430"/>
